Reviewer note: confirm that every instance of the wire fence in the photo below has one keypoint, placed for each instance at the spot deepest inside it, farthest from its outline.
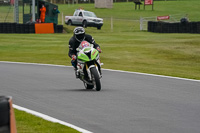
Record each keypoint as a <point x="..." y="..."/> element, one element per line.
<point x="7" y="12"/>
<point x="112" y="24"/>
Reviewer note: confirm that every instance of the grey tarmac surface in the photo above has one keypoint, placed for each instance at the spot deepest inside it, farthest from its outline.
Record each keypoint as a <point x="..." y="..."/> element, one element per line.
<point x="127" y="103"/>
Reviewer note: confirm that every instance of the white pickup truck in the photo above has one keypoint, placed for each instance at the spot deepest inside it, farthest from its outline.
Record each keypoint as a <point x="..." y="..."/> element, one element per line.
<point x="85" y="19"/>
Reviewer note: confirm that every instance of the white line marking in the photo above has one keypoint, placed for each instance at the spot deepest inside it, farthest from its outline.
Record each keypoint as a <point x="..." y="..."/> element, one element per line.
<point x="154" y="75"/>
<point x="48" y="118"/>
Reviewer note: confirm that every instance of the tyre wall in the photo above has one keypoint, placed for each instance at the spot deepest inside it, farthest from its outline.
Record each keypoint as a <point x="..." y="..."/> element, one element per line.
<point x="166" y="27"/>
<point x="4" y="115"/>
<point x="24" y="28"/>
<point x="7" y="115"/>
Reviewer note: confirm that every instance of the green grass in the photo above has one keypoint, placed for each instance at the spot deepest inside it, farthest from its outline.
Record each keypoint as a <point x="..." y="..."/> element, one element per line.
<point x="124" y="47"/>
<point x="127" y="10"/>
<point x="131" y="16"/>
<point x="165" y="54"/>
<point x="27" y="123"/>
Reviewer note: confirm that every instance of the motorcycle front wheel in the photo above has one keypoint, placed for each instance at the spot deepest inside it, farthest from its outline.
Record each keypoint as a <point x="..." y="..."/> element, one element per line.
<point x="95" y="78"/>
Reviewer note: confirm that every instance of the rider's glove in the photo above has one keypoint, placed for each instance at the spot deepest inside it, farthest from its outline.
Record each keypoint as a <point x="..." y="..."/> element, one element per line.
<point x="73" y="57"/>
<point x="98" y="48"/>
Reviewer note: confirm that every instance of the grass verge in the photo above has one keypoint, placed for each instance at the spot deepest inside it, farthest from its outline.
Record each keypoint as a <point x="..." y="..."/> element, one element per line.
<point x="164" y="54"/>
<point x="27" y="123"/>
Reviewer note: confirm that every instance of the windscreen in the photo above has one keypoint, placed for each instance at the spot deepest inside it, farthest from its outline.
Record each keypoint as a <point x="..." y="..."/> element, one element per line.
<point x="89" y="14"/>
<point x="84" y="44"/>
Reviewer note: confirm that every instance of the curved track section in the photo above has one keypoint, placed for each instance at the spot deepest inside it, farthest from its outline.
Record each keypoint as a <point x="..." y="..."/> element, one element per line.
<point x="127" y="102"/>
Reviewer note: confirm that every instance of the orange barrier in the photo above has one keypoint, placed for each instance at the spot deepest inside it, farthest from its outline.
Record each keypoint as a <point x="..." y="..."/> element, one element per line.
<point x="13" y="128"/>
<point x="44" y="28"/>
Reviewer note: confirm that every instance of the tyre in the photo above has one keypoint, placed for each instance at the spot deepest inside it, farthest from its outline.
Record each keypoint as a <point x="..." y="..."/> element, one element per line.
<point x="69" y="22"/>
<point x="26" y="28"/>
<point x="5" y="111"/>
<point x="87" y="86"/>
<point x="18" y="28"/>
<point x="85" y="24"/>
<point x="22" y="28"/>
<point x="95" y="78"/>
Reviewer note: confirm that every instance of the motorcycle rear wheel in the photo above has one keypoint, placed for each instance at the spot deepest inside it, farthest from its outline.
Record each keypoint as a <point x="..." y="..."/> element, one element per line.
<point x="96" y="79"/>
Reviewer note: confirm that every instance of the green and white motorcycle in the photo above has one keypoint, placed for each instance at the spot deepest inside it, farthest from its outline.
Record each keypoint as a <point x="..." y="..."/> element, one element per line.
<point x="89" y="66"/>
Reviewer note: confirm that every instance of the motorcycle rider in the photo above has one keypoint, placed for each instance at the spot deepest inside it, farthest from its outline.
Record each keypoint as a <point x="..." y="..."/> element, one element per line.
<point x="74" y="42"/>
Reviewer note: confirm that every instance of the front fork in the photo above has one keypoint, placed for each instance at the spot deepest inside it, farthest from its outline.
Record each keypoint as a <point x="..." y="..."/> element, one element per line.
<point x="89" y="72"/>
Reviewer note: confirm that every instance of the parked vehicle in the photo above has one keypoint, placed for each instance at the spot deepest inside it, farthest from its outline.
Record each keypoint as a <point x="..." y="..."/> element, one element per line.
<point x="5" y="1"/>
<point x="89" y="66"/>
<point x="84" y="18"/>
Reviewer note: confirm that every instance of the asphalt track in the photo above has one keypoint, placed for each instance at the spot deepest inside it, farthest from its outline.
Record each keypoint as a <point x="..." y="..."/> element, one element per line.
<point x="127" y="103"/>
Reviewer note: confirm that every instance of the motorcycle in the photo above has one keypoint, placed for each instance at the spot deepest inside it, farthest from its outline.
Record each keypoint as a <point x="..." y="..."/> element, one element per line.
<point x="89" y="66"/>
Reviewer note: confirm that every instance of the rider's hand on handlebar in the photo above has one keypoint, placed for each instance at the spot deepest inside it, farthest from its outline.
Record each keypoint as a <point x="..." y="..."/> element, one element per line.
<point x="98" y="48"/>
<point x="73" y="57"/>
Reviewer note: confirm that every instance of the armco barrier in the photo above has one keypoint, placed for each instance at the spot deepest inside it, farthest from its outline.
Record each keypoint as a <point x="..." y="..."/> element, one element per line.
<point x="166" y="27"/>
<point x="24" y="28"/>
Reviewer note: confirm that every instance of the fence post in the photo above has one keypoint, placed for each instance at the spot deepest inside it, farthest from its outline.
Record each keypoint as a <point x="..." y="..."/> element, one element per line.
<point x="16" y="12"/>
<point x="141" y="23"/>
<point x="111" y="24"/>
<point x="33" y="10"/>
<point x="62" y="19"/>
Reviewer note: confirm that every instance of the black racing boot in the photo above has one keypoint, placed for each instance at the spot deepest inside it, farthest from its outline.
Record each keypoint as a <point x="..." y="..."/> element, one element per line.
<point x="77" y="73"/>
